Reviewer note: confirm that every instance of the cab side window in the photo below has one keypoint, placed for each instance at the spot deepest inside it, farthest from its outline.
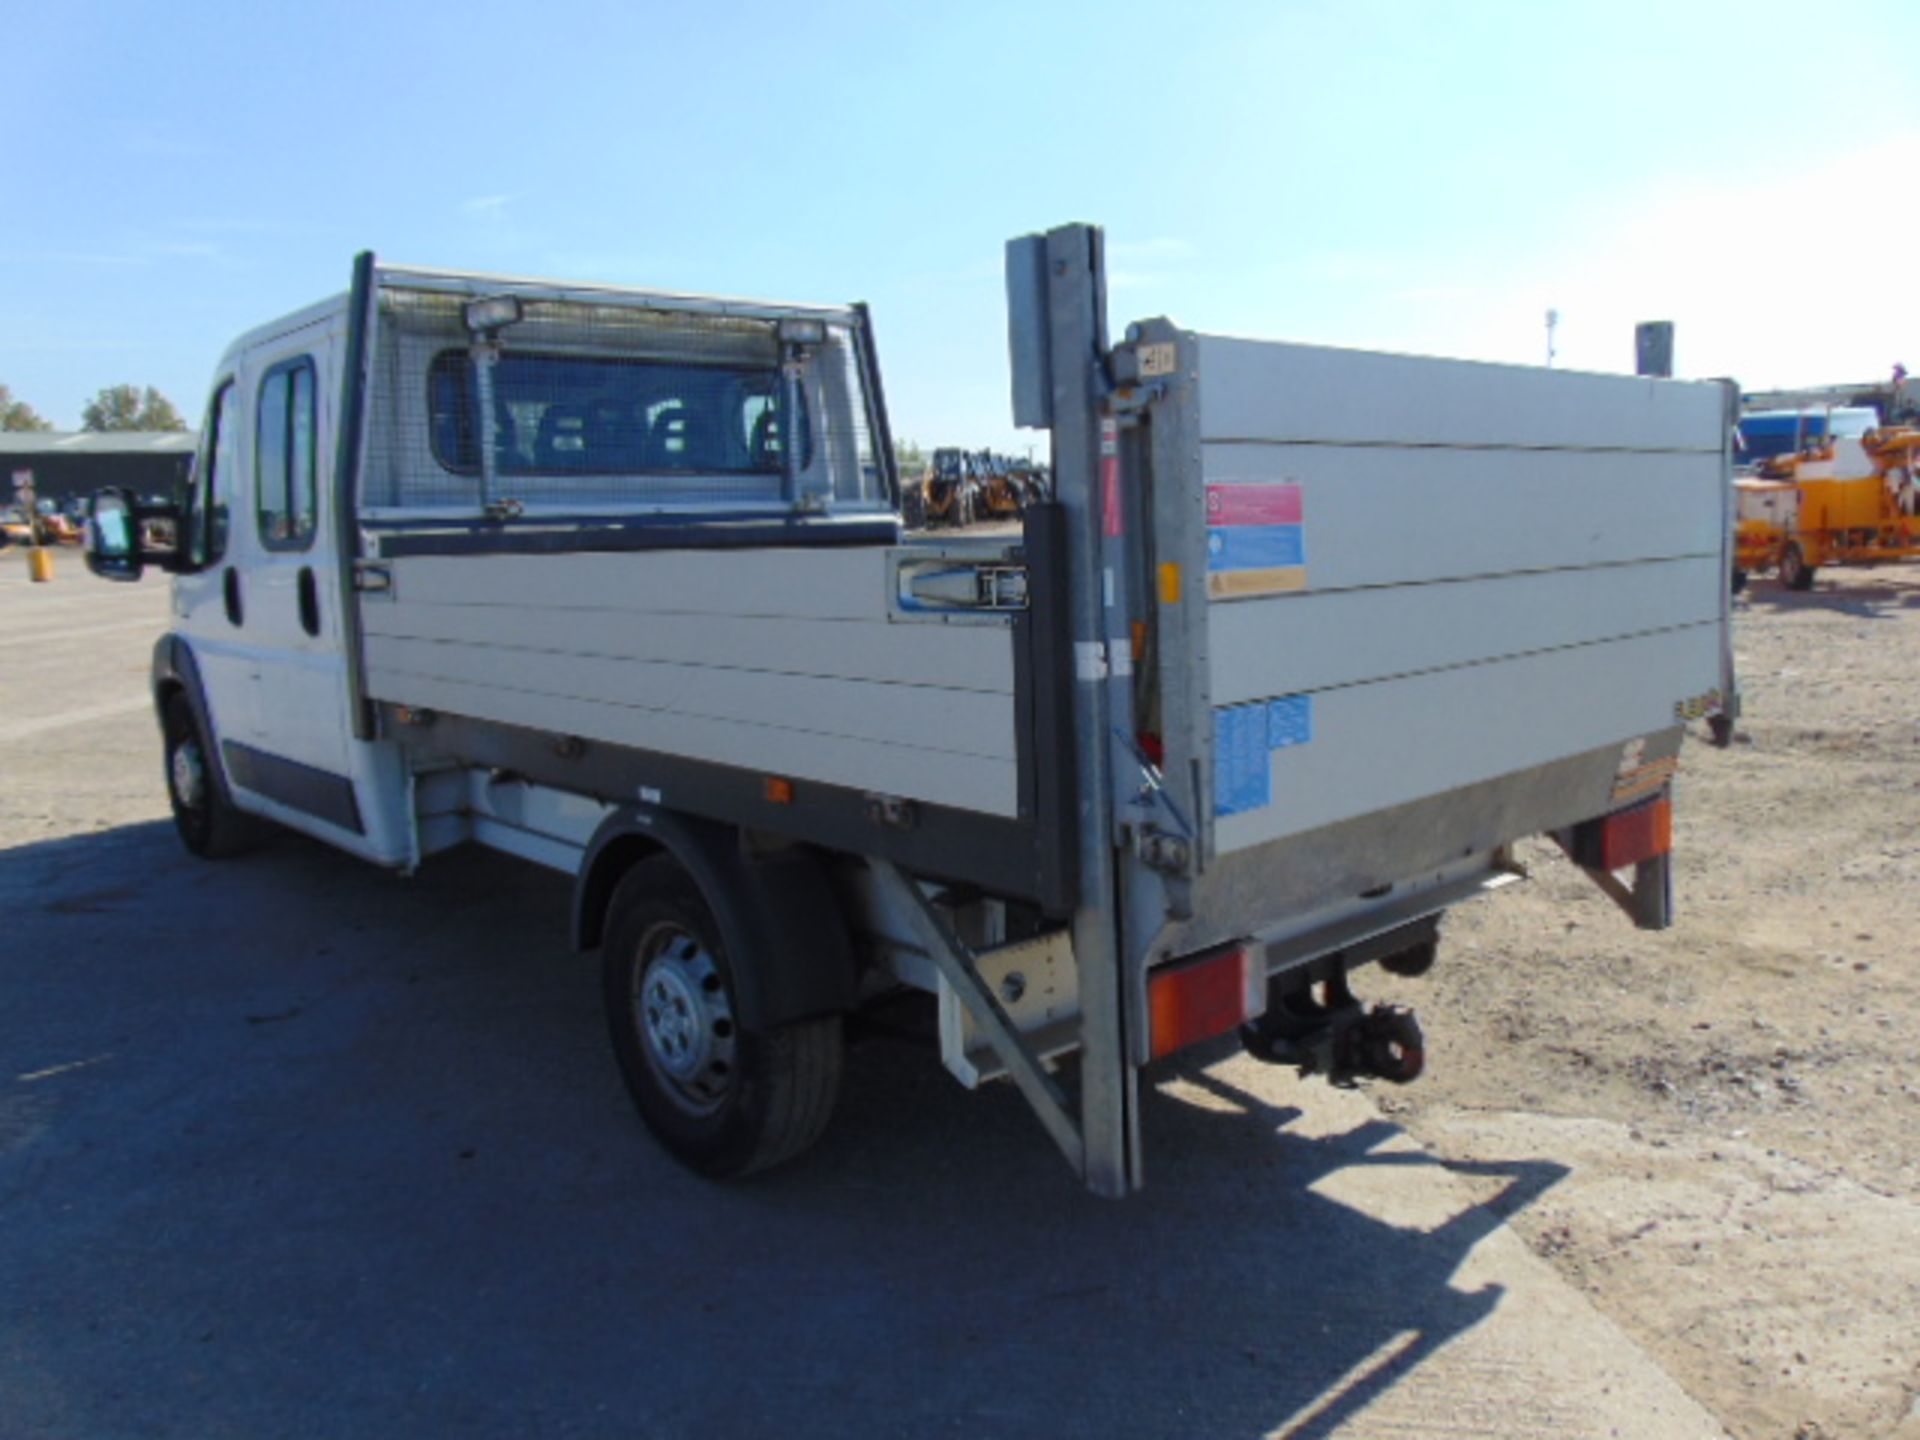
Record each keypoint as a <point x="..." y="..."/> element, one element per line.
<point x="205" y="519"/>
<point x="284" y="456"/>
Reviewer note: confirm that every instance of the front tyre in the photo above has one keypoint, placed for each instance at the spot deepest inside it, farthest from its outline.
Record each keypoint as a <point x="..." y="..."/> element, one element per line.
<point x="724" y="1099"/>
<point x="204" y="816"/>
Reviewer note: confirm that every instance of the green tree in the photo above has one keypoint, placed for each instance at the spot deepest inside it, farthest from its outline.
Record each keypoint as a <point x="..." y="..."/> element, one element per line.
<point x="128" y="407"/>
<point x="17" y="414"/>
<point x="909" y="457"/>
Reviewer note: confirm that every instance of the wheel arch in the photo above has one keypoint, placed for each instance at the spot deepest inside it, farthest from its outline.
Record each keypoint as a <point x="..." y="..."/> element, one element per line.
<point x="779" y="915"/>
<point x="175" y="673"/>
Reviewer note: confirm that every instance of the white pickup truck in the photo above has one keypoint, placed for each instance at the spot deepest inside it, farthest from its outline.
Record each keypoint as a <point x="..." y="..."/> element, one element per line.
<point x="614" y="580"/>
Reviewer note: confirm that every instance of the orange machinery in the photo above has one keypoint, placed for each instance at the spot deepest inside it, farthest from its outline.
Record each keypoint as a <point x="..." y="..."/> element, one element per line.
<point x="1840" y="502"/>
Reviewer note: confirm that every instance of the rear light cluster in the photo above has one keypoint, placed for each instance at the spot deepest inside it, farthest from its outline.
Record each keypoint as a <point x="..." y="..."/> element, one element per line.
<point x="1212" y="994"/>
<point x="1626" y="837"/>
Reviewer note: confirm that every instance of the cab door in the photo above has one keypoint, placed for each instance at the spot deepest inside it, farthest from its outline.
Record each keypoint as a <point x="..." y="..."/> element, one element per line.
<point x="209" y="590"/>
<point x="289" y="753"/>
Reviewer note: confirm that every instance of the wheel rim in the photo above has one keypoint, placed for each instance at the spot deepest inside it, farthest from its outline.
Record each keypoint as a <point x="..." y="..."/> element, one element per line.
<point x="684" y="1018"/>
<point x="187" y="773"/>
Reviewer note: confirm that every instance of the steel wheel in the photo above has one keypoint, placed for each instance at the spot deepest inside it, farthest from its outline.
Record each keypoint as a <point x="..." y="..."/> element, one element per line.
<point x="724" y="1097"/>
<point x="187" y="774"/>
<point x="684" y="1016"/>
<point x="206" y="819"/>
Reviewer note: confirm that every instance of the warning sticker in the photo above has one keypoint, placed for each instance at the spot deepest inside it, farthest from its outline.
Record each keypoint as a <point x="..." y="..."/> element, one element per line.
<point x="1245" y="503"/>
<point x="1256" y="547"/>
<point x="1637" y="777"/>
<point x="1244" y="739"/>
<point x="1158" y="359"/>
<point x="1256" y="539"/>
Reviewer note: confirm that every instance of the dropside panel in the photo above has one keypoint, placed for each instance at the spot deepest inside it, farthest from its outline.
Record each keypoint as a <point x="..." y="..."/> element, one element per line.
<point x="797" y="663"/>
<point x="1263" y="391"/>
<point x="1375" y="746"/>
<point x="1419" y="576"/>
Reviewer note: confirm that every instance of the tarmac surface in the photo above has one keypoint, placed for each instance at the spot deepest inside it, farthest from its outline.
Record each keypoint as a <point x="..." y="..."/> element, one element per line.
<point x="292" y="1146"/>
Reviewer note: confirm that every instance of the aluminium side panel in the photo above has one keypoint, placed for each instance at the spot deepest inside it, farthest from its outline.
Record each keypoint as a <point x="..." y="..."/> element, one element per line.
<point x="1419" y="578"/>
<point x="1264" y="391"/>
<point x="1375" y="746"/>
<point x="793" y="662"/>
<point x="1306" y="643"/>
<point x="1394" y="514"/>
<point x="970" y="658"/>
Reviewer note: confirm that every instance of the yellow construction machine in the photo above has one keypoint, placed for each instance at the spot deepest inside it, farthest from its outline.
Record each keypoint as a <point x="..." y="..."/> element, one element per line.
<point x="1838" y="501"/>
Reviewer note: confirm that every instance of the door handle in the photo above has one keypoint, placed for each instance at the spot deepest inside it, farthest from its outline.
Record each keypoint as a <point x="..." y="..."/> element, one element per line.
<point x="230" y="590"/>
<point x="309" y="601"/>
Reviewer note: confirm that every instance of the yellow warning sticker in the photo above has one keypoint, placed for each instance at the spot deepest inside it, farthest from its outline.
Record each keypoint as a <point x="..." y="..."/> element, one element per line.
<point x="1637" y="777"/>
<point x="1238" y="584"/>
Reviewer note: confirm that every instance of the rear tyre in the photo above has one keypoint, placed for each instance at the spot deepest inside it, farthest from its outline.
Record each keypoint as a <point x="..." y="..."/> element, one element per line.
<point x="1795" y="572"/>
<point x="205" y="817"/>
<point x="723" y="1099"/>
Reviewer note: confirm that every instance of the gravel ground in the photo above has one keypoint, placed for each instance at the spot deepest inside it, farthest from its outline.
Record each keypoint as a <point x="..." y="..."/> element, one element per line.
<point x="1738" y="1098"/>
<point x="290" y="1146"/>
<point x="1709" y="1132"/>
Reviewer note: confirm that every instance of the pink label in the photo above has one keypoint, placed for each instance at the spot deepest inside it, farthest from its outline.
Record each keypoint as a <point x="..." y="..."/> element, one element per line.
<point x="1253" y="504"/>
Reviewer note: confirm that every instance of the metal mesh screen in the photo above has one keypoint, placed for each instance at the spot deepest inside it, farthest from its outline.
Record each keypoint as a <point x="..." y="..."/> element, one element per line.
<point x="601" y="408"/>
<point x="853" y="466"/>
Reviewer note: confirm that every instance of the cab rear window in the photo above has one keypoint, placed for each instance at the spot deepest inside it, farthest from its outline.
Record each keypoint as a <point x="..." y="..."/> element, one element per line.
<point x="557" y="414"/>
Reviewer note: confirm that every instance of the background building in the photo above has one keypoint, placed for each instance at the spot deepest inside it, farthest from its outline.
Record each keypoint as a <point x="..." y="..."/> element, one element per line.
<point x="71" y="463"/>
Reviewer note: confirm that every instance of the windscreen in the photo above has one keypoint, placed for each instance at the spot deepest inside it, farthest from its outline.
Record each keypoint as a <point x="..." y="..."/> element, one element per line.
<point x="1766" y="434"/>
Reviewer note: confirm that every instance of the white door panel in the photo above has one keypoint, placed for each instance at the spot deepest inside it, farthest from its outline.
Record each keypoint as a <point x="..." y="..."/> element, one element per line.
<point x="263" y="616"/>
<point x="203" y="614"/>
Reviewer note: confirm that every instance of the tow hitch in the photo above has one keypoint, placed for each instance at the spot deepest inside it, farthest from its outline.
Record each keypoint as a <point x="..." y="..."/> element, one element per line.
<point x="1333" y="1034"/>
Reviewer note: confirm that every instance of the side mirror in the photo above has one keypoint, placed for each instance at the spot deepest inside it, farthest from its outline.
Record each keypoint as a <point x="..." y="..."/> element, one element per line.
<point x="125" y="536"/>
<point x="113" y="538"/>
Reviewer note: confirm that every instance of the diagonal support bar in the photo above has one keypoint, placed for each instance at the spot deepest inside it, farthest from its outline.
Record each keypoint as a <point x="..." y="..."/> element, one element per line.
<point x="956" y="964"/>
<point x="1648" y="901"/>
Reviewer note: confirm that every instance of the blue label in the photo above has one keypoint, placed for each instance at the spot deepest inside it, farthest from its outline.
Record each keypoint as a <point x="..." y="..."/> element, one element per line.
<point x="1242" y="774"/>
<point x="1256" y="547"/>
<point x="1289" y="721"/>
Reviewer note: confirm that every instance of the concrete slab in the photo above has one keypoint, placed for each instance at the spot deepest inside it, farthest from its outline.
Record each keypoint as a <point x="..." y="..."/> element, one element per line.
<point x="1728" y="1257"/>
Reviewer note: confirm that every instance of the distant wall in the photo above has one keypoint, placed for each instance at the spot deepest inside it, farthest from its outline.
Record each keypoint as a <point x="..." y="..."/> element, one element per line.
<point x="60" y="476"/>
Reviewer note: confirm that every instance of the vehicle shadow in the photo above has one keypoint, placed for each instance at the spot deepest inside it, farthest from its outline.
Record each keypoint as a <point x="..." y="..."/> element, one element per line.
<point x="291" y="1146"/>
<point x="1867" y="600"/>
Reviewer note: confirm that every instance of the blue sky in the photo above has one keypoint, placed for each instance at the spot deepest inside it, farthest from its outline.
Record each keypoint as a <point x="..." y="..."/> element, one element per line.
<point x="1426" y="177"/>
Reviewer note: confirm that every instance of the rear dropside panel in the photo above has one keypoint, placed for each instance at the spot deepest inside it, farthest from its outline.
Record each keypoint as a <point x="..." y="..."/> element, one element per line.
<point x="1422" y="607"/>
